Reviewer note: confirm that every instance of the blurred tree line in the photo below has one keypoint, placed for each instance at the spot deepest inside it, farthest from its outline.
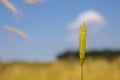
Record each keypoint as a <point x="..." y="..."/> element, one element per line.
<point x="94" y="54"/>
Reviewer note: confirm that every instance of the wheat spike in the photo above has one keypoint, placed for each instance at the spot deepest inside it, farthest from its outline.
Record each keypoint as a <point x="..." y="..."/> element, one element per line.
<point x="33" y="1"/>
<point x="10" y="7"/>
<point x="15" y="31"/>
<point x="82" y="42"/>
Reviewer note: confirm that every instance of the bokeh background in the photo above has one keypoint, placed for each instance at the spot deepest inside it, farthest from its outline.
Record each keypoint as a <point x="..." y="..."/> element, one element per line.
<point x="42" y="42"/>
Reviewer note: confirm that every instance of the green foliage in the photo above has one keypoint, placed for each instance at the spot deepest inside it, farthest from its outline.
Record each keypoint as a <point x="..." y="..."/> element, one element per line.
<point x="105" y="54"/>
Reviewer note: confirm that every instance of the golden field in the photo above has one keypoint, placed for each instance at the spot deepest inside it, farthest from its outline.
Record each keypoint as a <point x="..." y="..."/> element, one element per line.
<point x="98" y="69"/>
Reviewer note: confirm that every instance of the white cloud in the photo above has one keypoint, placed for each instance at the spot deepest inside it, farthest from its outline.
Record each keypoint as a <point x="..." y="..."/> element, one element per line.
<point x="93" y="20"/>
<point x="90" y="17"/>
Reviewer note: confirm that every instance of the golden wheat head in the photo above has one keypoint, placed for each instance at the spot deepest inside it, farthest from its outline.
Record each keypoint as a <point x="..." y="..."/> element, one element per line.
<point x="82" y="42"/>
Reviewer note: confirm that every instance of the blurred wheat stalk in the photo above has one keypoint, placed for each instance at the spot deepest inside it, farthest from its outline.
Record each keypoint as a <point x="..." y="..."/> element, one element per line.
<point x="82" y="46"/>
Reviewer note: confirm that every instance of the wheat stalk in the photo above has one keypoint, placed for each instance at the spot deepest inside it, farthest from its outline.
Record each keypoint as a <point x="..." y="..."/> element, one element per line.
<point x="82" y="46"/>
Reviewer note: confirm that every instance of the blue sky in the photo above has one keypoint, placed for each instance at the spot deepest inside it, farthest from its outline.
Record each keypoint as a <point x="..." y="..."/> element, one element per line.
<point x="50" y="27"/>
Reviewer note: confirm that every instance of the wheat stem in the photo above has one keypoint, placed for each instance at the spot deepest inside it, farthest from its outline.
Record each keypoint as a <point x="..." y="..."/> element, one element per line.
<point x="81" y="71"/>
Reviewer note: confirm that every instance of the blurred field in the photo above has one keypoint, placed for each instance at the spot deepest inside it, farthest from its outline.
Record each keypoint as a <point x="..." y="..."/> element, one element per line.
<point x="98" y="69"/>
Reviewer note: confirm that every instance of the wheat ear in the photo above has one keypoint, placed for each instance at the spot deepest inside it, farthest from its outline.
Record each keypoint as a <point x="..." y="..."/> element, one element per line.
<point x="82" y="46"/>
